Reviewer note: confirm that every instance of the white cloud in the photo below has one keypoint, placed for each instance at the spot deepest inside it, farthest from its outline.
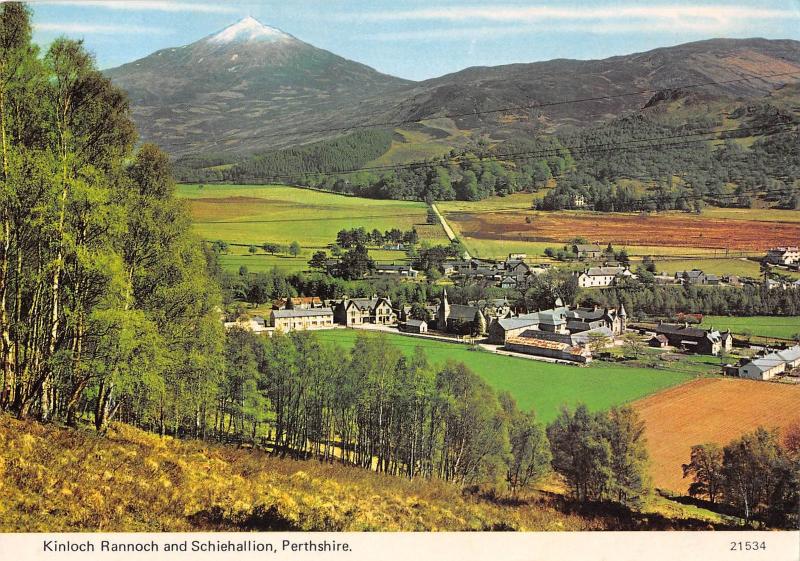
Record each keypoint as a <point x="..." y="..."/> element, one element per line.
<point x="146" y="5"/>
<point x="710" y="19"/>
<point x="577" y="13"/>
<point x="98" y="29"/>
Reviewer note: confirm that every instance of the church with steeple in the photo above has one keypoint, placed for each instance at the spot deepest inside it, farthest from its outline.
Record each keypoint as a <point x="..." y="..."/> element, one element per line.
<point x="457" y="318"/>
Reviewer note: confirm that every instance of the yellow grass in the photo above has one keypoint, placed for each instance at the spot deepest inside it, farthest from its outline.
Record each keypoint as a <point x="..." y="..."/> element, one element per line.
<point x="63" y="480"/>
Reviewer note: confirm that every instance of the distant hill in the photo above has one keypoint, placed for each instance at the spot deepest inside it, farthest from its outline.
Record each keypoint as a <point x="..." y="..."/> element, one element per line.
<point x="251" y="88"/>
<point x="549" y="83"/>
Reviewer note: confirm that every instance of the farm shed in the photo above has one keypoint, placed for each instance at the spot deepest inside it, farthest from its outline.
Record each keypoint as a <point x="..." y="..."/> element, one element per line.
<point x="414" y="326"/>
<point x="764" y="368"/>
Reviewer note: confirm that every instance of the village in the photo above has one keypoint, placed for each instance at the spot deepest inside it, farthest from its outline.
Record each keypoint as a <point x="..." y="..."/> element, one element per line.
<point x="565" y="334"/>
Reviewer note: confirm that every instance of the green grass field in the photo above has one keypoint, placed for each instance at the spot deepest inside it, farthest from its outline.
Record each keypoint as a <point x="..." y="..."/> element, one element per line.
<point x="714" y="266"/>
<point x="254" y="214"/>
<point x="543" y="386"/>
<point x="764" y="326"/>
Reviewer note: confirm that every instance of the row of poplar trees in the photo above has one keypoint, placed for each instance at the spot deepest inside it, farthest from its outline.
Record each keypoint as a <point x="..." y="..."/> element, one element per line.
<point x="105" y="305"/>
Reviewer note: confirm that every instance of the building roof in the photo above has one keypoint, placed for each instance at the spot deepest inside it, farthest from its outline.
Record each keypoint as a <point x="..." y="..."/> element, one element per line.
<point x="587" y="247"/>
<point x="546" y="336"/>
<point x="791" y="354"/>
<point x="586" y="314"/>
<point x="394" y="268"/>
<point x="693" y="274"/>
<point x="416" y="322"/>
<point x="547" y="345"/>
<point x="312" y="312"/>
<point x="604" y="271"/>
<point x="366" y="303"/>
<point x="462" y="312"/>
<point x="661" y="338"/>
<point x="517" y="322"/>
<point x="681" y="330"/>
<point x="584" y="337"/>
<point x="765" y="363"/>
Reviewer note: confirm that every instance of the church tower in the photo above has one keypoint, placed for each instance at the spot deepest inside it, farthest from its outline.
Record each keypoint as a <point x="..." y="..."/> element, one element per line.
<point x="623" y="317"/>
<point x="444" y="312"/>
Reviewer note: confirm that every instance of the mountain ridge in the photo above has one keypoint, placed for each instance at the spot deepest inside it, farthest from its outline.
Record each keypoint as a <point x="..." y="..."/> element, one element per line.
<point x="239" y="95"/>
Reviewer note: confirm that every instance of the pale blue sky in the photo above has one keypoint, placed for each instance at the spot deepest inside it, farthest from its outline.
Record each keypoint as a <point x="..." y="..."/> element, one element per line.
<point x="421" y="39"/>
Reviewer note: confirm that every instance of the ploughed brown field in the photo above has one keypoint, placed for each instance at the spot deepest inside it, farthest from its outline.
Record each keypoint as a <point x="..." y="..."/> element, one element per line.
<point x="669" y="230"/>
<point x="709" y="410"/>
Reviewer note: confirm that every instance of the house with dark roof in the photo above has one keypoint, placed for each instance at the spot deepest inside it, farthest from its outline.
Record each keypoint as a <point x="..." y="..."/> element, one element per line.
<point x="414" y="326"/>
<point x="696" y="276"/>
<point x="358" y="311"/>
<point x="493" y="308"/>
<point x="586" y="319"/>
<point x="587" y="251"/>
<point x="695" y="339"/>
<point x="456" y="318"/>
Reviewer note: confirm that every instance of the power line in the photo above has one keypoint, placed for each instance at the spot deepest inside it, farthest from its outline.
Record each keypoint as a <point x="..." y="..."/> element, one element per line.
<point x="500" y="109"/>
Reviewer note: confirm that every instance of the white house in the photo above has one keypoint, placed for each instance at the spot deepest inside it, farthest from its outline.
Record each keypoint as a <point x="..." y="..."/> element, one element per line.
<point x="764" y="368"/>
<point x="294" y="320"/>
<point x="601" y="277"/>
<point x="784" y="255"/>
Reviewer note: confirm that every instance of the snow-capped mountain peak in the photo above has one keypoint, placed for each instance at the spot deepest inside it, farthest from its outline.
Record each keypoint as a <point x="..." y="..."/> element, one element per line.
<point x="246" y="30"/>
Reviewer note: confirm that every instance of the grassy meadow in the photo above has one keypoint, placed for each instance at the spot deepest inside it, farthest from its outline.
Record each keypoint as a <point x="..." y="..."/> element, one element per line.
<point x="762" y="326"/>
<point x="242" y="215"/>
<point x="542" y="386"/>
<point x="425" y="140"/>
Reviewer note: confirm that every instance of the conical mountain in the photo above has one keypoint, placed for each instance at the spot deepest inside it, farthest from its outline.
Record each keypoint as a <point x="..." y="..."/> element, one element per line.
<point x="243" y="88"/>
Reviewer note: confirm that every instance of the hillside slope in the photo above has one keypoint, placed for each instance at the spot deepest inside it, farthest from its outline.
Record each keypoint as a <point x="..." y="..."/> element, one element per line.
<point x="606" y="81"/>
<point x="55" y="479"/>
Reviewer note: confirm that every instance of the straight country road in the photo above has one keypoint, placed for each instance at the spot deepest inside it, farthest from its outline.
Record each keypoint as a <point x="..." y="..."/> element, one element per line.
<point x="451" y="235"/>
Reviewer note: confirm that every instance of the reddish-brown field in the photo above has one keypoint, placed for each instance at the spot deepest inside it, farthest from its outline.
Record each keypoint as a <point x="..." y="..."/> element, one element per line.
<point x="709" y="410"/>
<point x="668" y="230"/>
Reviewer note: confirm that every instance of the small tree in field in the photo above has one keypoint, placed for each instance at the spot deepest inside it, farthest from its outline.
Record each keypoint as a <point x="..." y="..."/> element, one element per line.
<point x="705" y="467"/>
<point x="598" y="342"/>
<point x="633" y="345"/>
<point x="252" y="250"/>
<point x="294" y="249"/>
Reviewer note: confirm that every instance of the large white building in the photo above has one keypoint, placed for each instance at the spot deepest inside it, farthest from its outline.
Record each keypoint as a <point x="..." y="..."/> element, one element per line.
<point x="602" y="277"/>
<point x="772" y="364"/>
